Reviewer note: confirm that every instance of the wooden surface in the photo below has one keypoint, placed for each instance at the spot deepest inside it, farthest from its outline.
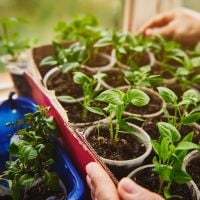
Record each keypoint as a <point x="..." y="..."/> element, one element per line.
<point x="6" y="85"/>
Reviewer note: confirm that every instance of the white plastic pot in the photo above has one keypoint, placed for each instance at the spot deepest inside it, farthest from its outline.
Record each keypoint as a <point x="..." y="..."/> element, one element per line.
<point x="150" y="115"/>
<point x="126" y="67"/>
<point x="140" y="134"/>
<point x="46" y="78"/>
<point x="192" y="186"/>
<point x="110" y="58"/>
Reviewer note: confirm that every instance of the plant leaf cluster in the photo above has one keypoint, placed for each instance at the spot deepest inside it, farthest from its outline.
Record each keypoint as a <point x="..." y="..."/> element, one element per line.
<point x="32" y="151"/>
<point x="170" y="151"/>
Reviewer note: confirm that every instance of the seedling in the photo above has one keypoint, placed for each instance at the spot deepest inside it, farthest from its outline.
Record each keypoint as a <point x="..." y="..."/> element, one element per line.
<point x="181" y="115"/>
<point x="170" y="151"/>
<point x="11" y="43"/>
<point x="142" y="78"/>
<point x="33" y="149"/>
<point x="117" y="102"/>
<point x="91" y="87"/>
<point x="85" y="30"/>
<point x="66" y="59"/>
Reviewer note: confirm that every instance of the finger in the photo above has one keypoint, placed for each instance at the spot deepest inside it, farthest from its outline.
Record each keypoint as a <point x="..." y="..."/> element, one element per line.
<point x="165" y="31"/>
<point x="102" y="186"/>
<point x="129" y="190"/>
<point x="158" y="21"/>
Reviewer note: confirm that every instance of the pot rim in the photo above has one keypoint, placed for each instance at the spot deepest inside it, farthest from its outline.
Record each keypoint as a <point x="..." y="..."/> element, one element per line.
<point x="48" y="75"/>
<point x="191" y="184"/>
<point x="112" y="61"/>
<point x="142" y="135"/>
<point x="151" y="115"/>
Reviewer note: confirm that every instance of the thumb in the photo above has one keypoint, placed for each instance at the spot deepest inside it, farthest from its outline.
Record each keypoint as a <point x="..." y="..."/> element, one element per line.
<point x="129" y="190"/>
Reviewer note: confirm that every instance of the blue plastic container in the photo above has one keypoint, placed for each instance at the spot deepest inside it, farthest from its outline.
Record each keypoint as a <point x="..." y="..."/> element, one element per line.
<point x="12" y="110"/>
<point x="68" y="174"/>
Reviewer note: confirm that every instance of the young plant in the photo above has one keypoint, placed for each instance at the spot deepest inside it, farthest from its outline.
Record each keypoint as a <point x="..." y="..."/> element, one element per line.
<point x="170" y="151"/>
<point x="141" y="78"/>
<point x="84" y="30"/>
<point x="187" y="75"/>
<point x="11" y="43"/>
<point x="33" y="149"/>
<point x="66" y="59"/>
<point x="181" y="115"/>
<point x="117" y="102"/>
<point x="91" y="87"/>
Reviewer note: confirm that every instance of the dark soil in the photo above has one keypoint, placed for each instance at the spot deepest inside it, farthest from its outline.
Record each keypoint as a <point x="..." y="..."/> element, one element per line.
<point x="127" y="147"/>
<point x="139" y="59"/>
<point x="63" y="84"/>
<point x="150" y="180"/>
<point x="153" y="106"/>
<point x="115" y="78"/>
<point x="97" y="61"/>
<point x="74" y="112"/>
<point x="41" y="192"/>
<point x="193" y="168"/>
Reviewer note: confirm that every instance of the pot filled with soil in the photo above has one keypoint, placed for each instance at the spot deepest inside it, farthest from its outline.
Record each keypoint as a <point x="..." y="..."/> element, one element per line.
<point x="135" y="59"/>
<point x="81" y="117"/>
<point x="100" y="62"/>
<point x="152" y="109"/>
<point x="192" y="166"/>
<point x="114" y="78"/>
<point x="62" y="84"/>
<point x="146" y="177"/>
<point x="129" y="149"/>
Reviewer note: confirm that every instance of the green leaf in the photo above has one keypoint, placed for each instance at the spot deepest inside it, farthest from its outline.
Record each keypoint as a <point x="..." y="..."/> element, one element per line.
<point x="26" y="180"/>
<point x="181" y="177"/>
<point x="13" y="149"/>
<point x="169" y="131"/>
<point x="66" y="67"/>
<point x="167" y="194"/>
<point x="195" y="62"/>
<point x="105" y="41"/>
<point x="137" y="97"/>
<point x="65" y="98"/>
<point x="125" y="126"/>
<point x="29" y="152"/>
<point x="190" y="96"/>
<point x="191" y="118"/>
<point x="112" y="96"/>
<point x="156" y="146"/>
<point x="81" y="78"/>
<point x="185" y="145"/>
<point x="164" y="149"/>
<point x="96" y="110"/>
<point x="197" y="48"/>
<point x="49" y="60"/>
<point x="168" y="95"/>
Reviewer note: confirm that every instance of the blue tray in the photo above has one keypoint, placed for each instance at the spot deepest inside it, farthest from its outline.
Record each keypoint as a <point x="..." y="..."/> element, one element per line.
<point x="22" y="106"/>
<point x="68" y="174"/>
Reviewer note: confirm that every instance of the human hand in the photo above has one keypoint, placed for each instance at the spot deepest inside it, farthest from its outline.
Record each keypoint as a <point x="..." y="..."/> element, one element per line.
<point x="182" y="25"/>
<point x="102" y="187"/>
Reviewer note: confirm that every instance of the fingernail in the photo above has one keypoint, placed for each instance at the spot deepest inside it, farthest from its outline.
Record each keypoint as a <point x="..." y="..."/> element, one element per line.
<point x="148" y="31"/>
<point x="89" y="168"/>
<point x="127" y="185"/>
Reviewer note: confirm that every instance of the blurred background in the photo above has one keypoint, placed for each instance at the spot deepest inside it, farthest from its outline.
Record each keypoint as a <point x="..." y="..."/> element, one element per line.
<point x="43" y="15"/>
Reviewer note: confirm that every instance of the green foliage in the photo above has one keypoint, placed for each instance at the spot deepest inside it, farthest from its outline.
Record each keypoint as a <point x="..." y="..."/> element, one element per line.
<point x="142" y="78"/>
<point x="66" y="58"/>
<point x="170" y="151"/>
<point x="181" y="115"/>
<point x="33" y="149"/>
<point x="117" y="102"/>
<point x="11" y="43"/>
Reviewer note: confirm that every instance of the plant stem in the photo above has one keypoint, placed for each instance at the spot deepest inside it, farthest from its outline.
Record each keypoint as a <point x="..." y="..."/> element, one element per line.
<point x="116" y="132"/>
<point x="111" y="128"/>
